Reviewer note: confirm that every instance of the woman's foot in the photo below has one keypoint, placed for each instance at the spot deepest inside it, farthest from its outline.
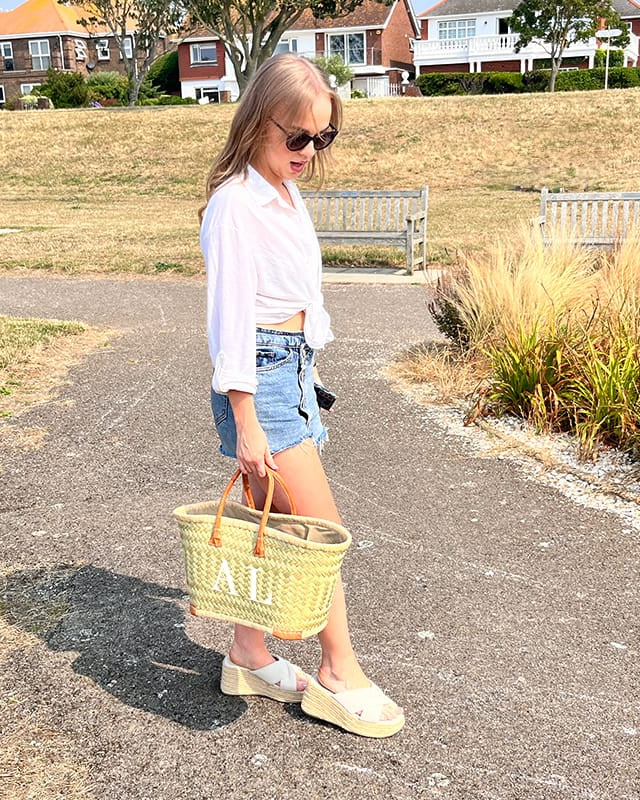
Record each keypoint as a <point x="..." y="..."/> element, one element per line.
<point x="259" y="658"/>
<point x="363" y="711"/>
<point x="349" y="676"/>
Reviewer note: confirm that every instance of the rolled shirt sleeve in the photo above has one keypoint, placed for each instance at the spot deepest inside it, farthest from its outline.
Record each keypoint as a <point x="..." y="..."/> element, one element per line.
<point x="232" y="283"/>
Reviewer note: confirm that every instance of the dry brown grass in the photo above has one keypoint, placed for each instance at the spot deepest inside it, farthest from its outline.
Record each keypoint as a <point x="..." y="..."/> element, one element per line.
<point x="119" y="190"/>
<point x="35" y="375"/>
<point x="436" y="373"/>
<point x="37" y="762"/>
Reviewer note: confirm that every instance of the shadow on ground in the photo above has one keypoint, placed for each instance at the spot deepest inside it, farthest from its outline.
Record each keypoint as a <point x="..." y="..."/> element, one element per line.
<point x="130" y="638"/>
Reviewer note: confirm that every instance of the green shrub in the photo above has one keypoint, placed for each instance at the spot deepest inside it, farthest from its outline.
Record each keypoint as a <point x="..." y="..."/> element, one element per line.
<point x="536" y="80"/>
<point x="108" y="88"/>
<point x="441" y="83"/>
<point x="65" y="89"/>
<point x="164" y="73"/>
<point x="503" y="82"/>
<point x="166" y="100"/>
<point x="616" y="58"/>
<point x="357" y="95"/>
<point x="334" y="65"/>
<point x="452" y="83"/>
<point x="624" y="77"/>
<point x="579" y="80"/>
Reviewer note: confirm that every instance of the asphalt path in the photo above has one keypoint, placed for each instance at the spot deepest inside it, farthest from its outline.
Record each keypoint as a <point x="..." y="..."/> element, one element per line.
<point x="502" y="615"/>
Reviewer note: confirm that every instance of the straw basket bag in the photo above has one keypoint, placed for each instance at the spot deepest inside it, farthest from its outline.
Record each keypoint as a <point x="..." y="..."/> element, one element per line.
<point x="274" y="572"/>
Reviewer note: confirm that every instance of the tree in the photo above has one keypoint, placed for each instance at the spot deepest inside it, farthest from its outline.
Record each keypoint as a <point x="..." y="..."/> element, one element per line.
<point x="556" y="24"/>
<point x="251" y="29"/>
<point x="144" y="22"/>
<point x="334" y="65"/>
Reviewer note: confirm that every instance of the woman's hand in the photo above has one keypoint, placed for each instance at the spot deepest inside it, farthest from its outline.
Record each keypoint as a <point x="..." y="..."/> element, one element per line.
<point x="252" y="447"/>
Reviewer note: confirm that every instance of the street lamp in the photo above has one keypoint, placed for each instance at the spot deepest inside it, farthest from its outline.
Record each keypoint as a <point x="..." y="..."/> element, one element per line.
<point x="609" y="34"/>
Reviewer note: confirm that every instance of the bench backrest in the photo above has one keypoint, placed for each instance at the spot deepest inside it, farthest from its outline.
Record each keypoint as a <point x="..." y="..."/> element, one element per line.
<point x="596" y="217"/>
<point x="364" y="210"/>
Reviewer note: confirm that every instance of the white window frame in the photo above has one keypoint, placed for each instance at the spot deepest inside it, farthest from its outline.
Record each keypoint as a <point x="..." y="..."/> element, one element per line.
<point x="128" y="47"/>
<point x="27" y="88"/>
<point x="81" y="49"/>
<point x="3" y="97"/>
<point x="41" y="57"/>
<point x="457" y="29"/>
<point x="196" y="53"/>
<point x="346" y="53"/>
<point x="286" y="46"/>
<point x="102" y="50"/>
<point x="207" y="91"/>
<point x="6" y="51"/>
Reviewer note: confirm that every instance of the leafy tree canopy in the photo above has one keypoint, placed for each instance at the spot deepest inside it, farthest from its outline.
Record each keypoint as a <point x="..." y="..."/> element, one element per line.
<point x="251" y="29"/>
<point x="556" y="24"/>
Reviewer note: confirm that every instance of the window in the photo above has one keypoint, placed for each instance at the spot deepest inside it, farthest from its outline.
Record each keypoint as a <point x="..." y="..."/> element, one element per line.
<point x="286" y="46"/>
<point x="349" y="46"/>
<point x="211" y="94"/>
<point x="204" y="54"/>
<point x="457" y="29"/>
<point x="40" y="54"/>
<point x="2" y="97"/>
<point x="81" y="50"/>
<point x="6" y="51"/>
<point x="128" y="47"/>
<point x="102" y="48"/>
<point x="27" y="88"/>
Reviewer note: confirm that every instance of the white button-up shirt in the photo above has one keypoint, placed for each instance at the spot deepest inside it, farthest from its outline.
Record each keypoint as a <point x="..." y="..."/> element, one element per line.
<point x="263" y="266"/>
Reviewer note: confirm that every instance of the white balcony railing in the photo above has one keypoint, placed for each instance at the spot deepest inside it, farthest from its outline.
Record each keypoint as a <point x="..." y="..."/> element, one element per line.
<point x="500" y="46"/>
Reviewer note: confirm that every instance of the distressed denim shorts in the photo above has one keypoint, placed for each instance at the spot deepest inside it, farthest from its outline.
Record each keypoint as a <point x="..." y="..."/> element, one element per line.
<point x="285" y="399"/>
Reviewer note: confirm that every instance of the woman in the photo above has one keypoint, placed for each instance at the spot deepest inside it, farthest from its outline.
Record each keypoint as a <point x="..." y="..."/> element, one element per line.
<point x="265" y="320"/>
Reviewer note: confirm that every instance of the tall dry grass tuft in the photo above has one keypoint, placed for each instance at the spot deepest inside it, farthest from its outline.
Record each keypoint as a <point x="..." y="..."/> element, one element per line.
<point x="559" y="329"/>
<point x="522" y="288"/>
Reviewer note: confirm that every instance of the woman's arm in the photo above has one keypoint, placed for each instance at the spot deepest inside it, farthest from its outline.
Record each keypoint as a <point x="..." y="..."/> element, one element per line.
<point x="252" y="448"/>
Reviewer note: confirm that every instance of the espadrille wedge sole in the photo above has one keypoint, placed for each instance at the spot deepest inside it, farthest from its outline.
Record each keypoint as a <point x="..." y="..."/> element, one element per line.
<point x="350" y="710"/>
<point x="273" y="681"/>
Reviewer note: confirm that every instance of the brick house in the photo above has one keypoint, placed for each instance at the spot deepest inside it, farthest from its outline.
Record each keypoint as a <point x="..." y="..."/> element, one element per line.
<point x="40" y="34"/>
<point x="375" y="40"/>
<point x="474" y="36"/>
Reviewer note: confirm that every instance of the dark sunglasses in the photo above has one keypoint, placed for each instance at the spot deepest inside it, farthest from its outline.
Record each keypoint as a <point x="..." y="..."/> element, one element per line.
<point x="298" y="141"/>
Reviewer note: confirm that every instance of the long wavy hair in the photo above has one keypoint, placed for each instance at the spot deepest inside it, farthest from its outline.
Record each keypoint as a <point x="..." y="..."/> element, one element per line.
<point x="287" y="85"/>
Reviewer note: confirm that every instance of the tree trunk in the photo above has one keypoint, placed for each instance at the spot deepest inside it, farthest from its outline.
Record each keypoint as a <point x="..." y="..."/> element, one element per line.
<point x="555" y="68"/>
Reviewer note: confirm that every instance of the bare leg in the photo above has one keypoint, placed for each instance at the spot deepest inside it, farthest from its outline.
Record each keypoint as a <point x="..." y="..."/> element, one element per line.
<point x="339" y="670"/>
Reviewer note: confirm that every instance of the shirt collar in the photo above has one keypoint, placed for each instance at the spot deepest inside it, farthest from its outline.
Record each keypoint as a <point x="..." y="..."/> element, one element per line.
<point x="263" y="191"/>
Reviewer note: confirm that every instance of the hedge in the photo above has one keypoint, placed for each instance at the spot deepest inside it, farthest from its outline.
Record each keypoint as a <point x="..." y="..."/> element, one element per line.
<point x="455" y="83"/>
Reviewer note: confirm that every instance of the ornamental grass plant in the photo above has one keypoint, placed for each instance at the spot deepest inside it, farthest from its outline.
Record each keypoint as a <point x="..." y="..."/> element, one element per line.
<point x="557" y="331"/>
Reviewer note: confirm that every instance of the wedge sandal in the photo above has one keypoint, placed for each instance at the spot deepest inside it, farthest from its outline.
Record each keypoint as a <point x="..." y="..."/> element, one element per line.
<point x="356" y="710"/>
<point x="277" y="681"/>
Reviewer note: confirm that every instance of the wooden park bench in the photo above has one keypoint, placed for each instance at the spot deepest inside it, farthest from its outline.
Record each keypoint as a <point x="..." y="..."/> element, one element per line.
<point x="373" y="217"/>
<point x="593" y="219"/>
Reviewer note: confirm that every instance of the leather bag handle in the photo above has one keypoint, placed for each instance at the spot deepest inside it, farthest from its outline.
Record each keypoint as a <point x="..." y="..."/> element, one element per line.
<point x="272" y="478"/>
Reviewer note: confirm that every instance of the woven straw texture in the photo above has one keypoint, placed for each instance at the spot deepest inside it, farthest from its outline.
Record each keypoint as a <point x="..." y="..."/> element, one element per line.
<point x="287" y="593"/>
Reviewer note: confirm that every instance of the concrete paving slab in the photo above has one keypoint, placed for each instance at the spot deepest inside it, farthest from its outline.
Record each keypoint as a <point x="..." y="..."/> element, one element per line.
<point x="502" y="615"/>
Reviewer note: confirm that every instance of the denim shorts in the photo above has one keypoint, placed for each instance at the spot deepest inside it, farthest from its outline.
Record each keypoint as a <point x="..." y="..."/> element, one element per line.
<point x="285" y="399"/>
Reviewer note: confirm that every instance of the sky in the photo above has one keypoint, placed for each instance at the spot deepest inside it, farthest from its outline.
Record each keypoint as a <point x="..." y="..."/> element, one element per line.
<point x="7" y="5"/>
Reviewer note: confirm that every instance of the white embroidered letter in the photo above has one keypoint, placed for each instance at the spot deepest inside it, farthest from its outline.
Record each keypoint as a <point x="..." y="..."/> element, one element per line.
<point x="253" y="588"/>
<point x="224" y="570"/>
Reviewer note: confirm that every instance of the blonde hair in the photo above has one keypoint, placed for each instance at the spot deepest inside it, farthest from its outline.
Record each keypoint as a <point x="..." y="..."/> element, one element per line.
<point x="288" y="84"/>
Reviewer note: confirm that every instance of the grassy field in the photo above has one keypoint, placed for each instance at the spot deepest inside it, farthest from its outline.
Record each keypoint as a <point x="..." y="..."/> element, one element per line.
<point x="112" y="190"/>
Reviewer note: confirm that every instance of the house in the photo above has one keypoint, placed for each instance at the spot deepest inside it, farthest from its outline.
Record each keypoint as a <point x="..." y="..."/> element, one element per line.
<point x="375" y="40"/>
<point x="40" y="34"/>
<point x="474" y="36"/>
<point x="206" y="72"/>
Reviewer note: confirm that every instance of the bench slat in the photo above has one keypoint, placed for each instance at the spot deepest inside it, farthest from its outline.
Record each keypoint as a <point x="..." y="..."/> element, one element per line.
<point x="372" y="216"/>
<point x="592" y="218"/>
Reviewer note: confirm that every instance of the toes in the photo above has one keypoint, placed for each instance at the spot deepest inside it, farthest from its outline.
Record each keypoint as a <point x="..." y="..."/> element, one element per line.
<point x="301" y="684"/>
<point x="390" y="711"/>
